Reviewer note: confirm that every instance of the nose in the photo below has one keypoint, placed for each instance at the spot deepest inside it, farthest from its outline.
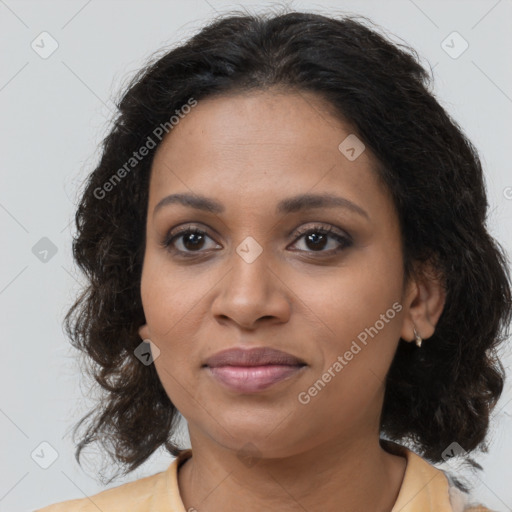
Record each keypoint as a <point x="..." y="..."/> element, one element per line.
<point x="252" y="293"/>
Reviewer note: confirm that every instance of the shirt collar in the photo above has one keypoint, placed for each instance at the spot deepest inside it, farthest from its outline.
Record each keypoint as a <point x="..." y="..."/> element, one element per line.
<point x="424" y="487"/>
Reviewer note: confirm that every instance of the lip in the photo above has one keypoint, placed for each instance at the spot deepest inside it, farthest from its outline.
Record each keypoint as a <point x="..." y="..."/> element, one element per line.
<point x="251" y="379"/>
<point x="253" y="370"/>
<point x="259" y="356"/>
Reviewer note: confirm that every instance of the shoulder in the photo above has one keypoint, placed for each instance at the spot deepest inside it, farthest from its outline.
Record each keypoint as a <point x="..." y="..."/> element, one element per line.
<point x="426" y="487"/>
<point x="138" y="496"/>
<point x="155" y="493"/>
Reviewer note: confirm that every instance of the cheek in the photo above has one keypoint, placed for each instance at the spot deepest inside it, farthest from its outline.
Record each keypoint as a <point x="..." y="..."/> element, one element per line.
<point x="352" y="298"/>
<point x="358" y="306"/>
<point x="169" y="297"/>
<point x="358" y="346"/>
<point x="175" y="307"/>
<point x="165" y="309"/>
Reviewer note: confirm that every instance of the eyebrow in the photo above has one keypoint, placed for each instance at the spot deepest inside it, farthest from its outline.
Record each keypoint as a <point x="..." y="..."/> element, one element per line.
<point x="288" y="205"/>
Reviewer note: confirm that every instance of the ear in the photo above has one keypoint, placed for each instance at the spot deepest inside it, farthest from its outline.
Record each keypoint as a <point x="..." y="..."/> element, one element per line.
<point x="423" y="304"/>
<point x="144" y="332"/>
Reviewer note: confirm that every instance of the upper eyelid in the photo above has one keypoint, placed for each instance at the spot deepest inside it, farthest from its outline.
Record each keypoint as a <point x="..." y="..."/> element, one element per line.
<point x="332" y="230"/>
<point x="309" y="225"/>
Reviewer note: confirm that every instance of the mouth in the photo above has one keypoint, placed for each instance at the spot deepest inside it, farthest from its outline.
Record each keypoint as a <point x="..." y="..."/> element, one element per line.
<point x="250" y="371"/>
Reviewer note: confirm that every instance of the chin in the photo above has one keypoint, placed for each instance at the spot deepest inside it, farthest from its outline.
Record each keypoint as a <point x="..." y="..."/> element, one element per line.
<point x="257" y="439"/>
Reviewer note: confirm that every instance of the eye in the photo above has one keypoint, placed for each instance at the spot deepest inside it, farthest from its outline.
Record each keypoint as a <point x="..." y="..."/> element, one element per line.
<point x="189" y="239"/>
<point x="316" y="238"/>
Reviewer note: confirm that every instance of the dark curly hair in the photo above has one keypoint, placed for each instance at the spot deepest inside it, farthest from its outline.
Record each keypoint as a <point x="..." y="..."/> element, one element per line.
<point x="444" y="392"/>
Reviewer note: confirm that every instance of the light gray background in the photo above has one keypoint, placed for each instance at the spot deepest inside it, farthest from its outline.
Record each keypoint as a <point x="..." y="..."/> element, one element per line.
<point x="54" y="113"/>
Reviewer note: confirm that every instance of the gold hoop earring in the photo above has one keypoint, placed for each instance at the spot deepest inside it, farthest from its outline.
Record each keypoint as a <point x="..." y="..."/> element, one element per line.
<point x="417" y="337"/>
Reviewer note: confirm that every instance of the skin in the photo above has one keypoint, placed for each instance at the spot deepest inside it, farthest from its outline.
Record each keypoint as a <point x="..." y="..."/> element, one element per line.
<point x="249" y="152"/>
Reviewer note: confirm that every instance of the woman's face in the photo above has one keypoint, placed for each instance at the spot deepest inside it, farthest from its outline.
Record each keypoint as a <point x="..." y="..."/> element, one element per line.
<point x="265" y="275"/>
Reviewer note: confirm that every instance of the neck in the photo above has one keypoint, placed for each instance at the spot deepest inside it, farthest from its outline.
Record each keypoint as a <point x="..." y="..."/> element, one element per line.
<point x="356" y="476"/>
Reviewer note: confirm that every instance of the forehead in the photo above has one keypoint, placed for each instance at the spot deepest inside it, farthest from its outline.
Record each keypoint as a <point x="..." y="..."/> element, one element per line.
<point x="246" y="121"/>
<point x="261" y="143"/>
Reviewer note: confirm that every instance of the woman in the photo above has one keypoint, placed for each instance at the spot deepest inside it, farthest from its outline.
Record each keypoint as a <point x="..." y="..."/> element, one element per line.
<point x="285" y="243"/>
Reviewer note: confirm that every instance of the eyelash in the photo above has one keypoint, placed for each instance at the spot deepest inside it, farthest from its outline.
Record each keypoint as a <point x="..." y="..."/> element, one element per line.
<point x="345" y="241"/>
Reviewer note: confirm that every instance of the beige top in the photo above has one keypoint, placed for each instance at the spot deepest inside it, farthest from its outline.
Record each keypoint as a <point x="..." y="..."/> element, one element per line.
<point x="424" y="489"/>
